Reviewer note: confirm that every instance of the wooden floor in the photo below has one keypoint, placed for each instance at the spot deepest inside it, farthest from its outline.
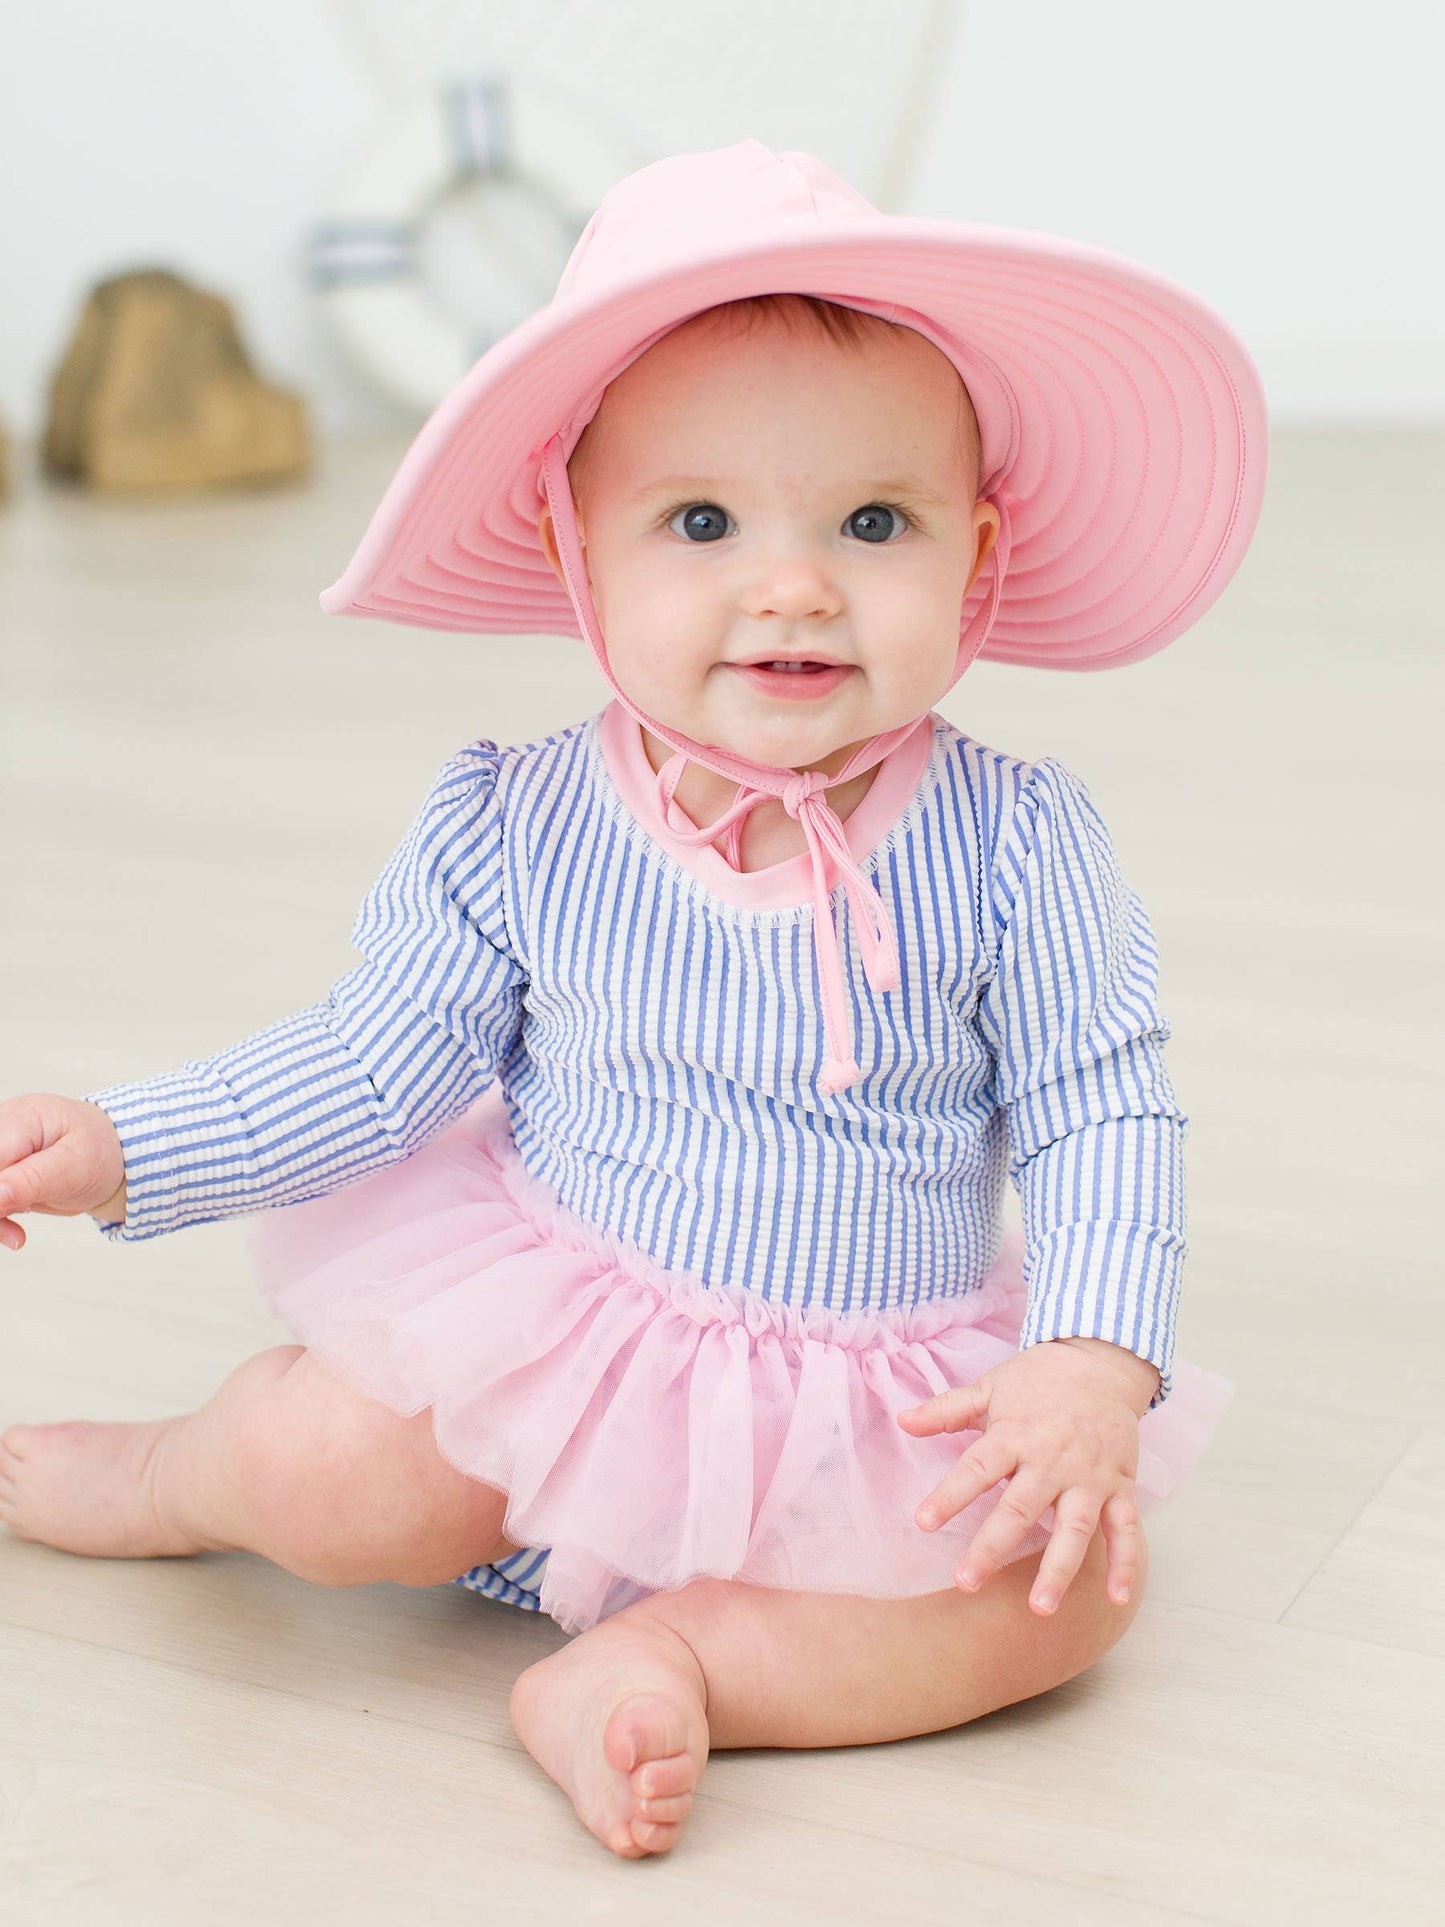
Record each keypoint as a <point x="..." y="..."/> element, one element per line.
<point x="199" y="777"/>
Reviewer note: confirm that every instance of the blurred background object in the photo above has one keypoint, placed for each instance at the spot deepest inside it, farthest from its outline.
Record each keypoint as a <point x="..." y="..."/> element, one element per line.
<point x="157" y="393"/>
<point x="502" y="127"/>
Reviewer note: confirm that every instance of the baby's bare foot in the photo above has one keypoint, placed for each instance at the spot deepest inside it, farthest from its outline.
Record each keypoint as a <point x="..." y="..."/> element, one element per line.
<point x="90" y="1489"/>
<point x="618" y="1718"/>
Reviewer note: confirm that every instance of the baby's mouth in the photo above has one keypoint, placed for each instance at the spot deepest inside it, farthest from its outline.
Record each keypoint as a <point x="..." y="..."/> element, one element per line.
<point x="796" y="666"/>
<point x="804" y="678"/>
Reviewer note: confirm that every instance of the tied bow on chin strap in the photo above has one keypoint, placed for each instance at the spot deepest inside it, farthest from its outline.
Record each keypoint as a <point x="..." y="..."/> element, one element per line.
<point x="801" y="794"/>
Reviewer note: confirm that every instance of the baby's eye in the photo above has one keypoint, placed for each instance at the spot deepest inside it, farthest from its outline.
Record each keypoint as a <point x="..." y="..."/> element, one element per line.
<point x="876" y="522"/>
<point x="707" y="522"/>
<point x="701" y="521"/>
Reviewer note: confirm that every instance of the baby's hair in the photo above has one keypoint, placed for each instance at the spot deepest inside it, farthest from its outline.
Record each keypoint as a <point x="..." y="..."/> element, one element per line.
<point x="803" y="313"/>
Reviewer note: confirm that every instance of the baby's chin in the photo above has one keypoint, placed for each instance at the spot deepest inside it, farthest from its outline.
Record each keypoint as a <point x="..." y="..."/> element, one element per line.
<point x="740" y="724"/>
<point x="776" y="742"/>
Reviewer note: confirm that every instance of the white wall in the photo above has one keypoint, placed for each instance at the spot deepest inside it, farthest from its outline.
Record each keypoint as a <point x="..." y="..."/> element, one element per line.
<point x="1278" y="156"/>
<point x="1283" y="158"/>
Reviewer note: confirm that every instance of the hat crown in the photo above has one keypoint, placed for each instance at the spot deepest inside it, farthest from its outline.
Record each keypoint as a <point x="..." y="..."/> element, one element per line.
<point x="726" y="198"/>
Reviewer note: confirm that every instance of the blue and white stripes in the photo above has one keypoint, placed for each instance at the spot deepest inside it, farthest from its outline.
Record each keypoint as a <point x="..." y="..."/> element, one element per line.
<point x="659" y="1048"/>
<point x="1095" y="1134"/>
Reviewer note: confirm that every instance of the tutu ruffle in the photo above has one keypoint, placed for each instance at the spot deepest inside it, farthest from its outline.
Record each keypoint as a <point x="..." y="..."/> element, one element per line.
<point x="648" y="1428"/>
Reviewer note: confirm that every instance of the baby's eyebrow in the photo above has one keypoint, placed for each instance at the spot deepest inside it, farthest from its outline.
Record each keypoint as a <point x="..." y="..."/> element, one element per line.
<point x="669" y="483"/>
<point x="706" y="487"/>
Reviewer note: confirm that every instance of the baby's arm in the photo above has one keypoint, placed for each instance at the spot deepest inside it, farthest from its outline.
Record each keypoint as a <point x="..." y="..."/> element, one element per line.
<point x="399" y="1046"/>
<point x="1103" y="1210"/>
<point x="1095" y="1131"/>
<point x="314" y="1102"/>
<point x="1096" y="1141"/>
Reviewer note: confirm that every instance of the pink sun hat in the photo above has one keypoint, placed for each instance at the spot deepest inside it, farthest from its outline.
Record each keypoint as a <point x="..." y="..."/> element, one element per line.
<point x="1124" y="445"/>
<point x="1123" y="421"/>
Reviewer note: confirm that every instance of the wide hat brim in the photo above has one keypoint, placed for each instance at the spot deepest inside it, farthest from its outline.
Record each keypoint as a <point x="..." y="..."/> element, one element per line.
<point x="1123" y="423"/>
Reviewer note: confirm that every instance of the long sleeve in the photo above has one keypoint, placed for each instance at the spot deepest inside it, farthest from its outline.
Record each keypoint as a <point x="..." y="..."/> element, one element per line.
<point x="1095" y="1132"/>
<point x="398" y="1047"/>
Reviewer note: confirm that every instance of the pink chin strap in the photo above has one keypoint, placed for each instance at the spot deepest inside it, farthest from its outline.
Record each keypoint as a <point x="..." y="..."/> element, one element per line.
<point x="800" y="794"/>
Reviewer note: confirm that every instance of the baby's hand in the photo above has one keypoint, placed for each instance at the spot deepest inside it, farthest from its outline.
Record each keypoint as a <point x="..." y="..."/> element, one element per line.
<point x="1062" y="1424"/>
<point x="59" y="1155"/>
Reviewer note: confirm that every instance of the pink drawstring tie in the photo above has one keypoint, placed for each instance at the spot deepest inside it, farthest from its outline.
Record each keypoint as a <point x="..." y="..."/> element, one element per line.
<point x="801" y="794"/>
<point x="802" y="798"/>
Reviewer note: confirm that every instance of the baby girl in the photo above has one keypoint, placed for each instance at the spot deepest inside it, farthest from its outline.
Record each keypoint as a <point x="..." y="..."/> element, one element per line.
<point x="636" y="1201"/>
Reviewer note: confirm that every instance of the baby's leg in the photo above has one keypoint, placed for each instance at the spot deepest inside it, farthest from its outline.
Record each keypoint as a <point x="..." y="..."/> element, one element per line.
<point x="284" y="1460"/>
<point x="623" y="1717"/>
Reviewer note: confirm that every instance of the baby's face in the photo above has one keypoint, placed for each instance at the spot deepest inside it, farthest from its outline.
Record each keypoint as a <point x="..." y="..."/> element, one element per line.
<point x="749" y="495"/>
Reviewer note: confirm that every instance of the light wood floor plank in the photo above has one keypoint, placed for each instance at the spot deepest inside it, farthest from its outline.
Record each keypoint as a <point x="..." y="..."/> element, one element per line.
<point x="1386" y="1574"/>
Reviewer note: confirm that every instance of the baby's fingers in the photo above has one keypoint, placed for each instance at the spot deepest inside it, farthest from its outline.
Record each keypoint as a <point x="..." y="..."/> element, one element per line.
<point x="11" y="1234"/>
<point x="22" y="1132"/>
<point x="957" y="1410"/>
<point x="48" y="1181"/>
<point x="19" y="1186"/>
<point x="980" y="1469"/>
<point x="1123" y="1535"/>
<point x="1075" y="1522"/>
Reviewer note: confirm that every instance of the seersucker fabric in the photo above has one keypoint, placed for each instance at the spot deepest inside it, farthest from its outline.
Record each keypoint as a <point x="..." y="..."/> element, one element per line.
<point x="651" y="1078"/>
<point x="546" y="940"/>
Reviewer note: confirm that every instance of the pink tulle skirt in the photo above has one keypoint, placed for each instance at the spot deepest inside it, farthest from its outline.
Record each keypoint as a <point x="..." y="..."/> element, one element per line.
<point x="650" y="1429"/>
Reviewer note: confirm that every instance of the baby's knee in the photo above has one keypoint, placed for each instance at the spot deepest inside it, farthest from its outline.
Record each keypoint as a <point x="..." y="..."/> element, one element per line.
<point x="342" y="1491"/>
<point x="307" y="1466"/>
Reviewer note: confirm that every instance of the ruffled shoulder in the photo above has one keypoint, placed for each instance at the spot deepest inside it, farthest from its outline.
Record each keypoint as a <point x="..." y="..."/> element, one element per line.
<point x="471" y="773"/>
<point x="1054" y="824"/>
<point x="444" y="892"/>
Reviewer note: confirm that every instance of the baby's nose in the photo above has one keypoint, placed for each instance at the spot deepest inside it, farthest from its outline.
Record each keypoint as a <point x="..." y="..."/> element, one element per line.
<point x="794" y="587"/>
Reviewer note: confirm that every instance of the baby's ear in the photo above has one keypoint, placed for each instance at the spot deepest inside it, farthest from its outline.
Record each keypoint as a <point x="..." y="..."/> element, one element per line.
<point x="986" y="525"/>
<point x="547" y="535"/>
<point x="548" y="538"/>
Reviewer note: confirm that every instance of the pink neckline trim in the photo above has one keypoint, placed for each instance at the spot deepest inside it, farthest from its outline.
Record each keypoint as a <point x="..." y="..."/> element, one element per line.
<point x="778" y="886"/>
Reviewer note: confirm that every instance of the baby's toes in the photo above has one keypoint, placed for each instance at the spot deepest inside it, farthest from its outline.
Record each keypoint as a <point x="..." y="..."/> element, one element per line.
<point x="656" y="1779"/>
<point x="645" y="1727"/>
<point x="662" y="1798"/>
<point x="656" y="1836"/>
<point x="670" y="1812"/>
